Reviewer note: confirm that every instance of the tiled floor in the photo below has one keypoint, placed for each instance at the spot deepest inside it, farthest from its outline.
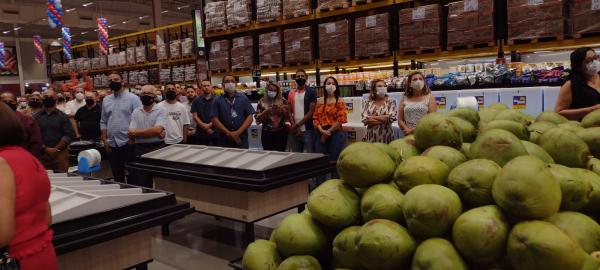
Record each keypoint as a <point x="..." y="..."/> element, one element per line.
<point x="202" y="242"/>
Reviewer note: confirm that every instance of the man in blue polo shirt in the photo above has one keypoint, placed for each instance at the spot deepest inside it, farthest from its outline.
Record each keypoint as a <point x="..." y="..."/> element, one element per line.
<point x="231" y="115"/>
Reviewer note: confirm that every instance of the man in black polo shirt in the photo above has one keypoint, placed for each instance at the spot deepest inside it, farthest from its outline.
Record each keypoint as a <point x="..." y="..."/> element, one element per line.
<point x="205" y="132"/>
<point x="88" y="118"/>
<point x="57" y="133"/>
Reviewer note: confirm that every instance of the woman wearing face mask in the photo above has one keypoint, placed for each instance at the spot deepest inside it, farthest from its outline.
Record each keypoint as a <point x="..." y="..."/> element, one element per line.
<point x="272" y="112"/>
<point x="580" y="95"/>
<point x="379" y="113"/>
<point x="330" y="114"/>
<point x="416" y="103"/>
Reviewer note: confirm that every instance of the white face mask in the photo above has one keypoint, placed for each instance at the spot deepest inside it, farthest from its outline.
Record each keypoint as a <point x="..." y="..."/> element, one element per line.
<point x="229" y="87"/>
<point x="330" y="88"/>
<point x="417" y="85"/>
<point x="271" y="94"/>
<point x="593" y="67"/>
<point x="381" y="91"/>
<point x="79" y="96"/>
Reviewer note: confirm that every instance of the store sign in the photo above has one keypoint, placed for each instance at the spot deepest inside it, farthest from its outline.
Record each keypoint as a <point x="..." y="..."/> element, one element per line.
<point x="254" y="133"/>
<point x="480" y="101"/>
<point x="349" y="107"/>
<point x="440" y="102"/>
<point x="198" y="26"/>
<point x="519" y="102"/>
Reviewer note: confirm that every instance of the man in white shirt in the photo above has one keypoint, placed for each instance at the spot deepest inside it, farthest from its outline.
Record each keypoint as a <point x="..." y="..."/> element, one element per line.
<point x="178" y="120"/>
<point x="73" y="106"/>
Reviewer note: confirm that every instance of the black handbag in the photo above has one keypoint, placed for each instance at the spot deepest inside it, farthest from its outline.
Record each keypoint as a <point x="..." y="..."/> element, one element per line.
<point x="7" y="262"/>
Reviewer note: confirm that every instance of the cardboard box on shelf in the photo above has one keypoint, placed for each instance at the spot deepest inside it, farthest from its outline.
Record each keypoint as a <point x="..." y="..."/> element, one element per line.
<point x="269" y="49"/>
<point x="371" y="35"/>
<point x="470" y="22"/>
<point x="219" y="55"/>
<point x="296" y="8"/>
<point x="584" y="16"/>
<point x="238" y="13"/>
<point x="268" y="10"/>
<point x="536" y="19"/>
<point x="215" y="18"/>
<point x="298" y="46"/>
<point x="241" y="53"/>
<point x="420" y="28"/>
<point x="334" y="40"/>
<point x="331" y="4"/>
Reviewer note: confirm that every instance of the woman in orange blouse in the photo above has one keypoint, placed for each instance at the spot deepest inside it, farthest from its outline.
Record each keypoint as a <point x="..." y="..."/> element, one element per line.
<point x="330" y="114"/>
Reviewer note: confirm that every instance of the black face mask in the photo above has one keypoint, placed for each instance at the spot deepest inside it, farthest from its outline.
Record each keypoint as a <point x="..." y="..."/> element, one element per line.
<point x="171" y="95"/>
<point x="115" y="86"/>
<point x="147" y="100"/>
<point x="34" y="104"/>
<point x="61" y="99"/>
<point x="89" y="101"/>
<point x="13" y="106"/>
<point x="49" y="102"/>
<point x="301" y="82"/>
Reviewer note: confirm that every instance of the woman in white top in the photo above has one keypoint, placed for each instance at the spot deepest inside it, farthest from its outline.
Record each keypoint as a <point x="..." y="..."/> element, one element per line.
<point x="416" y="103"/>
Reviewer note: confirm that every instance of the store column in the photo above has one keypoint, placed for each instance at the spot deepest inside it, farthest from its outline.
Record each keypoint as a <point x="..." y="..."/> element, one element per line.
<point x="157" y="13"/>
<point x="20" y="63"/>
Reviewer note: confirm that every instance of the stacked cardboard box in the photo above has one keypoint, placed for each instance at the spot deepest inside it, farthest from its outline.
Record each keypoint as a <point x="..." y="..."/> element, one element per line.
<point x="371" y="35"/>
<point x="238" y="12"/>
<point x="268" y="10"/>
<point x="219" y="55"/>
<point x="241" y="53"/>
<point x="269" y="49"/>
<point x="470" y="22"/>
<point x="295" y="8"/>
<point x="420" y="28"/>
<point x="585" y="16"/>
<point x="331" y="4"/>
<point x="334" y="41"/>
<point x="529" y="19"/>
<point x="214" y="14"/>
<point x="298" y="45"/>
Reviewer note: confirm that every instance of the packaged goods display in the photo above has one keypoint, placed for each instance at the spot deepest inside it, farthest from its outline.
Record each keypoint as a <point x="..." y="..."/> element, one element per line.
<point x="296" y="8"/>
<point x="334" y="40"/>
<point x="152" y="76"/>
<point x="238" y="13"/>
<point x="371" y="36"/>
<point x="215" y="18"/>
<point x="178" y="74"/>
<point x="126" y="78"/>
<point x="268" y="10"/>
<point x="175" y="49"/>
<point x="143" y="77"/>
<point x="219" y="55"/>
<point x="57" y="68"/>
<point x="133" y="77"/>
<point x="130" y="56"/>
<point x="187" y="47"/>
<point x="584" y="16"/>
<point x="241" y="53"/>
<point x="269" y="49"/>
<point x="470" y="22"/>
<point x="331" y="4"/>
<point x="122" y="58"/>
<point x="161" y="52"/>
<point x="298" y="46"/>
<point x="165" y="74"/>
<point x="140" y="54"/>
<point x="190" y="72"/>
<point x="535" y="19"/>
<point x="420" y="28"/>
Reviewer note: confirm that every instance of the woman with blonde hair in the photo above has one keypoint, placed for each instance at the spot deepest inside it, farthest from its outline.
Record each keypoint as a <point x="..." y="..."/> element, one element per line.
<point x="273" y="110"/>
<point x="378" y="114"/>
<point x="416" y="103"/>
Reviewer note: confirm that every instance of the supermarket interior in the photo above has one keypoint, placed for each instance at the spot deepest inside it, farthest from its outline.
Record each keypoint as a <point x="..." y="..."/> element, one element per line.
<point x="300" y="134"/>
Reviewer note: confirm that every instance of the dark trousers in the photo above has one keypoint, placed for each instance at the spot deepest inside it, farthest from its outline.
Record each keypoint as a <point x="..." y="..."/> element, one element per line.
<point x="202" y="138"/>
<point x="118" y="157"/>
<point x="274" y="140"/>
<point x="139" y="179"/>
<point x="224" y="141"/>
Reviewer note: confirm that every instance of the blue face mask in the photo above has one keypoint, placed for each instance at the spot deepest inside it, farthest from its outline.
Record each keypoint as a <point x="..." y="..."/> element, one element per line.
<point x="271" y="94"/>
<point x="158" y="99"/>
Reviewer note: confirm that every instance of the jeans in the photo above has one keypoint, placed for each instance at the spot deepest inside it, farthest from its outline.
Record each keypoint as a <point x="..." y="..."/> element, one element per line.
<point x="305" y="142"/>
<point x="118" y="157"/>
<point x="274" y="140"/>
<point x="332" y="148"/>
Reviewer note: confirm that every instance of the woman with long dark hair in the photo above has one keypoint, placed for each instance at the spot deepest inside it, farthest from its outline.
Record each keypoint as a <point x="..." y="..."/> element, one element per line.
<point x="580" y="95"/>
<point x="330" y="114"/>
<point x="416" y="103"/>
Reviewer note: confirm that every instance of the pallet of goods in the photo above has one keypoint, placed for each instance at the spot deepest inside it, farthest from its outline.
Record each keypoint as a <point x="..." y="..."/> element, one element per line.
<point x="371" y="35"/>
<point x="470" y="24"/>
<point x="215" y="17"/>
<point x="269" y="50"/>
<point x="298" y="46"/>
<point x="531" y="21"/>
<point x="420" y="29"/>
<point x="585" y="16"/>
<point x="334" y="42"/>
<point x="295" y="8"/>
<point x="241" y="53"/>
<point x="268" y="10"/>
<point x="331" y="5"/>
<point x="239" y="13"/>
<point x="219" y="56"/>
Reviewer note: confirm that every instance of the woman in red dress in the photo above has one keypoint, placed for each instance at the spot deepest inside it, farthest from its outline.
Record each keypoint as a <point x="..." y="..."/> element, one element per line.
<point x="24" y="191"/>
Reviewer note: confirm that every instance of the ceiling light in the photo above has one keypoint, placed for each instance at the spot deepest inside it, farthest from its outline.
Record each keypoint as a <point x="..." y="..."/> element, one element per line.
<point x="71" y="9"/>
<point x="17" y="28"/>
<point x="182" y="7"/>
<point x="95" y="30"/>
<point x="143" y="17"/>
<point x="5" y="32"/>
<point x="83" y="33"/>
<point x="111" y="26"/>
<point x="164" y="11"/>
<point x="88" y="4"/>
<point x="124" y="22"/>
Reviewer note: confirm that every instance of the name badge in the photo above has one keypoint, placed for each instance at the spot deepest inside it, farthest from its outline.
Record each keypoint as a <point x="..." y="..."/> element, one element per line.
<point x="234" y="114"/>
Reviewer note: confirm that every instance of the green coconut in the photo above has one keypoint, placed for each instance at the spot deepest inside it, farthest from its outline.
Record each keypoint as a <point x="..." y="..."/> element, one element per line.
<point x="382" y="201"/>
<point x="465" y="148"/>
<point x="552" y="117"/>
<point x="487" y="114"/>
<point x="535" y="150"/>
<point x="576" y="190"/>
<point x="497" y="145"/>
<point x="590" y="263"/>
<point x="498" y="106"/>
<point x="565" y="147"/>
<point x="435" y="129"/>
<point x="593" y="165"/>
<point x="465" y="113"/>
<point x="593" y="207"/>
<point x="480" y="234"/>
<point x="430" y="210"/>
<point x="514" y="115"/>
<point x="537" y="129"/>
<point x="384" y="244"/>
<point x="261" y="255"/>
<point x="591" y="119"/>
<point x="420" y="170"/>
<point x="467" y="129"/>
<point x="572" y="126"/>
<point x="405" y="147"/>
<point x="394" y="155"/>
<point x="437" y="254"/>
<point x="362" y="165"/>
<point x="540" y="245"/>
<point x="591" y="136"/>
<point x="513" y="127"/>
<point x="525" y="187"/>
<point x="300" y="263"/>
<point x="579" y="227"/>
<point x="345" y="251"/>
<point x="473" y="180"/>
<point x="334" y="204"/>
<point x="298" y="234"/>
<point x="450" y="156"/>
<point x="410" y="139"/>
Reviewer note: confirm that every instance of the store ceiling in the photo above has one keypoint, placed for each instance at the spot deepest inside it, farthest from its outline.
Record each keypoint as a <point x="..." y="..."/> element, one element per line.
<point x="125" y="16"/>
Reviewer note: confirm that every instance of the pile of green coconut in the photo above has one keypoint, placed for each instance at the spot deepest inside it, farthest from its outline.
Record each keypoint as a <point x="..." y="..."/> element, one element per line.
<point x="494" y="189"/>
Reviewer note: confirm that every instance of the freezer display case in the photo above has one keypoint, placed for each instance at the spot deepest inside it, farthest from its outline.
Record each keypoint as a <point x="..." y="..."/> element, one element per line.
<point x="91" y="216"/>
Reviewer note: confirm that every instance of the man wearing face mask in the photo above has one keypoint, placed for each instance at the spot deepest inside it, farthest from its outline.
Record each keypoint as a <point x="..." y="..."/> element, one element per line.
<point x="302" y="104"/>
<point x="205" y="132"/>
<point x="178" y="121"/>
<point x="57" y="133"/>
<point x="74" y="105"/>
<point x="231" y="115"/>
<point x="33" y="137"/>
<point x="34" y="102"/>
<point x="117" y="109"/>
<point x="88" y="118"/>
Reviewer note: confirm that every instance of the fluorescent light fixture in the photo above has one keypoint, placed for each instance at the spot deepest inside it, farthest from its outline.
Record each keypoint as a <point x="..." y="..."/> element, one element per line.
<point x="88" y="4"/>
<point x="380" y="66"/>
<point x="17" y="28"/>
<point x="125" y="22"/>
<point x="71" y="9"/>
<point x="84" y="32"/>
<point x="143" y="17"/>
<point x="111" y="26"/>
<point x="182" y="7"/>
<point x="95" y="30"/>
<point x="6" y="32"/>
<point x="164" y="11"/>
